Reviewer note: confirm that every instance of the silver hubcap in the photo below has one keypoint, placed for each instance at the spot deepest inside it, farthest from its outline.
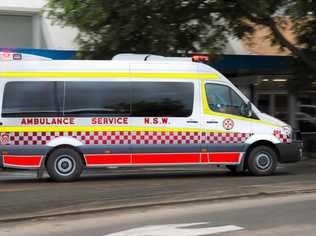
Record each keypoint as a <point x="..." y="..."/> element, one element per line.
<point x="65" y="165"/>
<point x="263" y="161"/>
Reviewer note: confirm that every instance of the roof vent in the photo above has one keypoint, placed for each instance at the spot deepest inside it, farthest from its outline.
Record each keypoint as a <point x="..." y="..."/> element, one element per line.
<point x="147" y="57"/>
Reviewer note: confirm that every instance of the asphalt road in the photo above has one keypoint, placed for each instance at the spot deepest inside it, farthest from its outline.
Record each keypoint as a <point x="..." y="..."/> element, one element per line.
<point x="277" y="216"/>
<point x="22" y="195"/>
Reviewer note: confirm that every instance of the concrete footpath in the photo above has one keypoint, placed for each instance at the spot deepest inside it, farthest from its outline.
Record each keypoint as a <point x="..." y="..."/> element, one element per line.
<point x="22" y="196"/>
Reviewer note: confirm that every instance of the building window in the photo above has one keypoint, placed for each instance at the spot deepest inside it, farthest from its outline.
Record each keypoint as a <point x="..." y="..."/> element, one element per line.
<point x="16" y="31"/>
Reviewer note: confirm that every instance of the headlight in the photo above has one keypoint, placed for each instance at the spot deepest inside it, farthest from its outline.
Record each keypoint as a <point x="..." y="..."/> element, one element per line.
<point x="287" y="130"/>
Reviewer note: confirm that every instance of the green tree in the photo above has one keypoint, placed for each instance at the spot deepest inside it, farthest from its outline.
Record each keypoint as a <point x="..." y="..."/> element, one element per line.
<point x="242" y="15"/>
<point x="165" y="27"/>
<point x="170" y="27"/>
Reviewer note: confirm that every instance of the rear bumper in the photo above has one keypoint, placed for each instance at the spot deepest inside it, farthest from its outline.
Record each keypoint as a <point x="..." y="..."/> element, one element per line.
<point x="1" y="162"/>
<point x="290" y="152"/>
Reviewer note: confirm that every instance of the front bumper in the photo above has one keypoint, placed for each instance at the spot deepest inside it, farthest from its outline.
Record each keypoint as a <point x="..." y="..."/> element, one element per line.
<point x="290" y="152"/>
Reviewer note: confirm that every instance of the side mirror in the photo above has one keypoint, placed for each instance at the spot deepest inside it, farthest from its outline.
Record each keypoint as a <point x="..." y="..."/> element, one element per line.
<point x="246" y="110"/>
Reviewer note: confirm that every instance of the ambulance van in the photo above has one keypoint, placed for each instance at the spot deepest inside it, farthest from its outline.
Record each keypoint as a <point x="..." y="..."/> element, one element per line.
<point x="65" y="116"/>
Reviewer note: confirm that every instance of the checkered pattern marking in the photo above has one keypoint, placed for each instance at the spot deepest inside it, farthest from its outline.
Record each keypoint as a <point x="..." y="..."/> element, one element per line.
<point x="96" y="138"/>
<point x="284" y="138"/>
<point x="163" y="137"/>
<point x="4" y="139"/>
<point x="127" y="137"/>
<point x="227" y="138"/>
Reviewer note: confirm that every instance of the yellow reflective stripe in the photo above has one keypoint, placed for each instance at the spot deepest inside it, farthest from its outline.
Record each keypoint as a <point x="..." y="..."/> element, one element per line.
<point x="95" y="129"/>
<point x="111" y="75"/>
<point x="174" y="75"/>
<point x="64" y="74"/>
<point x="208" y="111"/>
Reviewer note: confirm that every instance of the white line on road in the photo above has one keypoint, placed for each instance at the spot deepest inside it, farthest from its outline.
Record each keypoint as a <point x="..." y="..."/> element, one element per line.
<point x="176" y="229"/>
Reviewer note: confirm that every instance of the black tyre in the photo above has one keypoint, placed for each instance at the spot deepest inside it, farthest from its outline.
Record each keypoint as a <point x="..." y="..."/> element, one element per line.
<point x="232" y="168"/>
<point x="64" y="165"/>
<point x="262" y="161"/>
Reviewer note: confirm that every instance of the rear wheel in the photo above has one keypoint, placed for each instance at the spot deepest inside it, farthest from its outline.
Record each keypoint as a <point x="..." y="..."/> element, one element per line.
<point x="64" y="165"/>
<point x="262" y="161"/>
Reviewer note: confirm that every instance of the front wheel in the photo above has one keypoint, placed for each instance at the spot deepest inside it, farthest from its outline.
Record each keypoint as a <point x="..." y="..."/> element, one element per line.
<point x="262" y="161"/>
<point x="64" y="165"/>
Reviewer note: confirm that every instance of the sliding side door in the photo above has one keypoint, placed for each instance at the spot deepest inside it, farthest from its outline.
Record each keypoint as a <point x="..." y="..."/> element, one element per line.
<point x="166" y="122"/>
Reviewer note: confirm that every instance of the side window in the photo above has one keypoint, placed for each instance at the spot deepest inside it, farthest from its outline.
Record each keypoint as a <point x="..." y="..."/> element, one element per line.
<point x="237" y="104"/>
<point x="32" y="99"/>
<point x="160" y="99"/>
<point x="218" y="97"/>
<point x="97" y="99"/>
<point x="223" y="99"/>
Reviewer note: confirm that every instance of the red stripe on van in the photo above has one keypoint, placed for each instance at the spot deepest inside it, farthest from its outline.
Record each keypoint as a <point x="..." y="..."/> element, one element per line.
<point x="204" y="157"/>
<point x="166" y="158"/>
<point x="224" y="157"/>
<point x="107" y="159"/>
<point x="22" y="161"/>
<point x="161" y="158"/>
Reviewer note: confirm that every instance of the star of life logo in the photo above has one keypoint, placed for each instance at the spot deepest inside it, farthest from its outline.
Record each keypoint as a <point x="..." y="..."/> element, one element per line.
<point x="228" y="124"/>
<point x="4" y="139"/>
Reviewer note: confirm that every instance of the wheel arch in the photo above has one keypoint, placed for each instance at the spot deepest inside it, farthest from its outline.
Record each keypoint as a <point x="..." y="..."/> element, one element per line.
<point x="77" y="149"/>
<point x="260" y="143"/>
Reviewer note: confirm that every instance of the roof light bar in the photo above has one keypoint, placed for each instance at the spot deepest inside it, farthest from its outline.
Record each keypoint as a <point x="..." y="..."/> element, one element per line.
<point x="200" y="57"/>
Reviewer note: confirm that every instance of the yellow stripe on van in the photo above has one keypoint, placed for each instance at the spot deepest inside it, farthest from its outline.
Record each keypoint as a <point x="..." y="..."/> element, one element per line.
<point x="111" y="75"/>
<point x="97" y="129"/>
<point x="175" y="75"/>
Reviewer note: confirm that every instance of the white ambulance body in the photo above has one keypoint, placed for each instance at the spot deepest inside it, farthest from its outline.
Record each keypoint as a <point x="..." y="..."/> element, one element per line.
<point x="64" y="116"/>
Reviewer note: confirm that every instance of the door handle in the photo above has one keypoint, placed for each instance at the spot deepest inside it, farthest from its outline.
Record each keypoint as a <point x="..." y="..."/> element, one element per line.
<point x="212" y="122"/>
<point x="192" y="121"/>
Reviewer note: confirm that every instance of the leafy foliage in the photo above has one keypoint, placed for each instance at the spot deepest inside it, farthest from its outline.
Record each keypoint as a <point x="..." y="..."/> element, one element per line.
<point x="241" y="16"/>
<point x="303" y="14"/>
<point x="169" y="27"/>
<point x="144" y="26"/>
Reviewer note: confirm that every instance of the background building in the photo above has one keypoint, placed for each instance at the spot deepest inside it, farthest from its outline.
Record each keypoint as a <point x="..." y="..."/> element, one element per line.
<point x="23" y="26"/>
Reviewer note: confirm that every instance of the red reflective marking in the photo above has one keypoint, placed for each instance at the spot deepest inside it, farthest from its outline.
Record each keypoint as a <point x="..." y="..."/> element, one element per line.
<point x="161" y="158"/>
<point x="107" y="159"/>
<point x="204" y="157"/>
<point x="157" y="158"/>
<point x="224" y="157"/>
<point x="27" y="161"/>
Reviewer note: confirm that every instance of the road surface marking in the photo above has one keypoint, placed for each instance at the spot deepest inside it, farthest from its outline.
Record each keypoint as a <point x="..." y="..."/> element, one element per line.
<point x="176" y="229"/>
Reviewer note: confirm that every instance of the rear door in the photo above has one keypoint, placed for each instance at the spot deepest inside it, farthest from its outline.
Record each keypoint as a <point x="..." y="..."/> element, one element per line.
<point x="3" y="136"/>
<point x="27" y="104"/>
